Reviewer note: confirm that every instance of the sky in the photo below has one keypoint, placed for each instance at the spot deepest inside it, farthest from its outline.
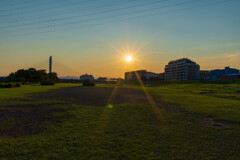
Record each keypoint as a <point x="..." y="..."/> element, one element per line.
<point x="95" y="36"/>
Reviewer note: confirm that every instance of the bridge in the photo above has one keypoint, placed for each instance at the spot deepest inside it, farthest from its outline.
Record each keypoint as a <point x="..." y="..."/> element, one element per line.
<point x="52" y="65"/>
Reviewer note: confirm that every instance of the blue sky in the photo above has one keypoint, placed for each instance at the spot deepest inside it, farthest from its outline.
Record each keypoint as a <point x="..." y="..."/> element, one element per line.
<point x="95" y="36"/>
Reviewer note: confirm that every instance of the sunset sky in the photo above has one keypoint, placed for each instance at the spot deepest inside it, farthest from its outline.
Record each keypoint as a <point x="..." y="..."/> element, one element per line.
<point x="95" y="36"/>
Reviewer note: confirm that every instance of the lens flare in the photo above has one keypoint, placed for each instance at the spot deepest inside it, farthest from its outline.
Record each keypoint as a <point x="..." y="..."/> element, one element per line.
<point x="110" y="106"/>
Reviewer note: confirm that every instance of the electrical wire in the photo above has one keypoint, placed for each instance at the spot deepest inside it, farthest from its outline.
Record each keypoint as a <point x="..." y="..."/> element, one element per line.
<point x="137" y="17"/>
<point x="89" y="14"/>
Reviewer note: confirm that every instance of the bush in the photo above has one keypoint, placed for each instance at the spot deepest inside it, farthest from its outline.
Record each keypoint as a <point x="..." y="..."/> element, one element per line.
<point x="17" y="85"/>
<point x="88" y="82"/>
<point x="47" y="83"/>
<point x="6" y="85"/>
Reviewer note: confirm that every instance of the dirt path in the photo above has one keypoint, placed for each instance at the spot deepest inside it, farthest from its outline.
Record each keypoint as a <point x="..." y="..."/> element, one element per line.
<point x="92" y="96"/>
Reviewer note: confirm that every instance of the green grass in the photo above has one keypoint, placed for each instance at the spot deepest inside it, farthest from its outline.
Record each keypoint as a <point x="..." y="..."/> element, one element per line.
<point x="11" y="96"/>
<point x="135" y="131"/>
<point x="220" y="101"/>
<point x="21" y="92"/>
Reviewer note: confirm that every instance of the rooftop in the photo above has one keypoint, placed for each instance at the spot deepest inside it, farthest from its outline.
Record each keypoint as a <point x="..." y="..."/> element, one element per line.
<point x="181" y="59"/>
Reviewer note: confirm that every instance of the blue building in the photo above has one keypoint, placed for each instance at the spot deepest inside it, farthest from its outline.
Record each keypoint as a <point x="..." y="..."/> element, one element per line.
<point x="215" y="74"/>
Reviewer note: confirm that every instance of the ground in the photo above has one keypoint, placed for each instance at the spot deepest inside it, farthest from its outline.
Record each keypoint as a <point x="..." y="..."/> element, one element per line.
<point x="92" y="96"/>
<point x="178" y="121"/>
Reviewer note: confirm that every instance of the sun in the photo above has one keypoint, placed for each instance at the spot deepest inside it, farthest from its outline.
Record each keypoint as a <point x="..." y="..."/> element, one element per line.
<point x="128" y="58"/>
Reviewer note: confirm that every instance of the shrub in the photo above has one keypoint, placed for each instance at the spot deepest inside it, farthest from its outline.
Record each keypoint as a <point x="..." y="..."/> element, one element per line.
<point x="6" y="85"/>
<point x="88" y="82"/>
<point x="47" y="82"/>
<point x="17" y="85"/>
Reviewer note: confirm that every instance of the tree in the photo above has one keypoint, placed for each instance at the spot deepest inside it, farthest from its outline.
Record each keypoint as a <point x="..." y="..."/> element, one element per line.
<point x="53" y="76"/>
<point x="31" y="75"/>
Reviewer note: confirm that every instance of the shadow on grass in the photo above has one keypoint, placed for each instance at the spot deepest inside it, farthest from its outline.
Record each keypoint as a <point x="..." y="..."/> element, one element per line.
<point x="28" y="119"/>
<point x="195" y="117"/>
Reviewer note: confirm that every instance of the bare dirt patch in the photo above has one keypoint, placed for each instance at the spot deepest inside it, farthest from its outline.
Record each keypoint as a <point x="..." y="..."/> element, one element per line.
<point x="30" y="119"/>
<point x="22" y="120"/>
<point x="218" y="124"/>
<point x="92" y="96"/>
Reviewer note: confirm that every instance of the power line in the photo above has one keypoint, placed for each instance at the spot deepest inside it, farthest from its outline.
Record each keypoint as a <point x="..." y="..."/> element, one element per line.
<point x="89" y="14"/>
<point x="30" y="6"/>
<point x="105" y="17"/>
<point x="126" y="19"/>
<point x="49" y="8"/>
<point x="15" y="4"/>
<point x="76" y="11"/>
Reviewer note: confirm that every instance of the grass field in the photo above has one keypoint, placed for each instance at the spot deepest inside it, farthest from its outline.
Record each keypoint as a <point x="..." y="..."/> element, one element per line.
<point x="191" y="121"/>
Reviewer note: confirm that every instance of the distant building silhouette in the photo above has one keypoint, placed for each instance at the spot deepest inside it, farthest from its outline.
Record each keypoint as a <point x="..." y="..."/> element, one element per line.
<point x="204" y="75"/>
<point x="151" y="75"/>
<point x="215" y="74"/>
<point x="86" y="76"/>
<point x="143" y="75"/>
<point x="230" y="77"/>
<point x="102" y="79"/>
<point x="181" y="70"/>
<point x="161" y="76"/>
<point x="184" y="69"/>
<point x="229" y="71"/>
<point x="132" y="76"/>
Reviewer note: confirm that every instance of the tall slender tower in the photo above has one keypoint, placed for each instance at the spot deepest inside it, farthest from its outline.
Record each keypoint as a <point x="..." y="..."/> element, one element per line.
<point x="50" y="64"/>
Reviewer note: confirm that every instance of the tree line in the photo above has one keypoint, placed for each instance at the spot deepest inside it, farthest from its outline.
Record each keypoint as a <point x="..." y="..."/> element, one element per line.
<point x="31" y="75"/>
